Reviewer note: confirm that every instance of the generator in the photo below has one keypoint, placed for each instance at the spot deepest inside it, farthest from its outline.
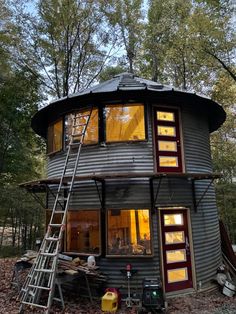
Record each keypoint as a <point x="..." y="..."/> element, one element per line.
<point x="152" y="296"/>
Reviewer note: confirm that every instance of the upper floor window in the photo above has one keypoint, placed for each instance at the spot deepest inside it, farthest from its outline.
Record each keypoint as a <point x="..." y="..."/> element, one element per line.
<point x="125" y="123"/>
<point x="91" y="136"/>
<point x="128" y="232"/>
<point x="168" y="142"/>
<point x="54" y="137"/>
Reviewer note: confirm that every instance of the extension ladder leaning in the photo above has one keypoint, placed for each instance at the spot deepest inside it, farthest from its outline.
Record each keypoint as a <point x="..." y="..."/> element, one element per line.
<point x="39" y="287"/>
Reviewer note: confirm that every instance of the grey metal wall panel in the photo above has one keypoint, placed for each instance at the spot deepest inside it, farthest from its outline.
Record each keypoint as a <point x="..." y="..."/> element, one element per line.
<point x="196" y="140"/>
<point x="134" y="193"/>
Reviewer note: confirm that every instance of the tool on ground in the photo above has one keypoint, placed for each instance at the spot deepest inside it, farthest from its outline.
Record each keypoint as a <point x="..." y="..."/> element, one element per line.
<point x="129" y="273"/>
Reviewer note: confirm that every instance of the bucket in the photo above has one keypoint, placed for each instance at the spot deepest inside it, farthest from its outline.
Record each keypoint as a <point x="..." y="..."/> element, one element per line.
<point x="91" y="262"/>
<point x="229" y="288"/>
<point x="110" y="302"/>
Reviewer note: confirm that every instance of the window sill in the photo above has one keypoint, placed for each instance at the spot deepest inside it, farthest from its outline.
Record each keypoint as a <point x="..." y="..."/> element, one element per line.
<point x="81" y="254"/>
<point x="51" y="154"/>
<point x="129" y="256"/>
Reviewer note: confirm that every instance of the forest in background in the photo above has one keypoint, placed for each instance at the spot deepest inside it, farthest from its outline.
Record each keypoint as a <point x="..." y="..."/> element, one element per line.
<point x="49" y="49"/>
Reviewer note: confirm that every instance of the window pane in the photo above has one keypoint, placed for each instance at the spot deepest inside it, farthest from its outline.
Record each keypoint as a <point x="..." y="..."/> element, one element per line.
<point x="166" y="130"/>
<point x="176" y="275"/>
<point x="174" y="237"/>
<point x="58" y="135"/>
<point x="175" y="256"/>
<point x="82" y="233"/>
<point x="125" y="123"/>
<point x="91" y="136"/>
<point x="54" y="136"/>
<point x="173" y="220"/>
<point x="165" y="116"/>
<point x="129" y="232"/>
<point x="167" y="146"/>
<point x="167" y="161"/>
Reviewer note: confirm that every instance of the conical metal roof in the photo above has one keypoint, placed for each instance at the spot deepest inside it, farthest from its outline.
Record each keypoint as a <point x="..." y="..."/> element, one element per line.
<point x="122" y="88"/>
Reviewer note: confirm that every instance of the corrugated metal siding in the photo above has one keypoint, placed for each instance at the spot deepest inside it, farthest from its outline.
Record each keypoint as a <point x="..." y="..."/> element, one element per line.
<point x="134" y="193"/>
<point x="205" y="226"/>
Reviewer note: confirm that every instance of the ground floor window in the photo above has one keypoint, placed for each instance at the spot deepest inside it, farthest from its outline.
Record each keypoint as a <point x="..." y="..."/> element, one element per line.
<point x="128" y="232"/>
<point x="82" y="232"/>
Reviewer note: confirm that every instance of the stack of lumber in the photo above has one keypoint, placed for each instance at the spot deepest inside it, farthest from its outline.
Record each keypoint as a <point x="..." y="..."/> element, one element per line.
<point x="70" y="266"/>
<point x="79" y="266"/>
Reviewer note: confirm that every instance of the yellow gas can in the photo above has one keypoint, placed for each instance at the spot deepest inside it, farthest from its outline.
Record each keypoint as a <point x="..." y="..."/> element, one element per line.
<point x="110" y="302"/>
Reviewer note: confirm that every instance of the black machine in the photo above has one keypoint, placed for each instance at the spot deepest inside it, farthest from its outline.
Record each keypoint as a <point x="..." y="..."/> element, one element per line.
<point x="152" y="297"/>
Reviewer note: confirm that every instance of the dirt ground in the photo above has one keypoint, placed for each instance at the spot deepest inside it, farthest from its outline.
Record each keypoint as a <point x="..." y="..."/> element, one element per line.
<point x="201" y="303"/>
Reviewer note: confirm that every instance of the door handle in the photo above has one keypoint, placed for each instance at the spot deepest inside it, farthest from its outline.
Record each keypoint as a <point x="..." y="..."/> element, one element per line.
<point x="187" y="246"/>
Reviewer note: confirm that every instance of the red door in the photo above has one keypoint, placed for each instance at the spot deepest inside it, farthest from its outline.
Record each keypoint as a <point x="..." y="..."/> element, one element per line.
<point x="176" y="249"/>
<point x="168" y="141"/>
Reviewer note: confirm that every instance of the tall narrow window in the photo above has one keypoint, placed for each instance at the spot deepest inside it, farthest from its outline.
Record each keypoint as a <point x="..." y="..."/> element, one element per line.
<point x="91" y="136"/>
<point x="125" y="123"/>
<point x="167" y="135"/>
<point x="54" y="136"/>
<point x="128" y="232"/>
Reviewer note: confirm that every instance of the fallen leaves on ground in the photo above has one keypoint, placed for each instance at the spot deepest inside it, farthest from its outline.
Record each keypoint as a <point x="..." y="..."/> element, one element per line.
<point x="199" y="303"/>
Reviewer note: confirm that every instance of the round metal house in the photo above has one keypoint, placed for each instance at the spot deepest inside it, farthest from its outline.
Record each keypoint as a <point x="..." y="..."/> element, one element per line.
<point x="143" y="189"/>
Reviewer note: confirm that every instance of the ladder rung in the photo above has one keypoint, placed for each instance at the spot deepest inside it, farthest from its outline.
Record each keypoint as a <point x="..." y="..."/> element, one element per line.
<point x="55" y="225"/>
<point x="80" y="124"/>
<point x="40" y="287"/>
<point x="48" y="254"/>
<point x="34" y="304"/>
<point x="77" y="134"/>
<point x="81" y="116"/>
<point x="57" y="299"/>
<point x="51" y="239"/>
<point x="59" y="212"/>
<point x="43" y="270"/>
<point x="75" y="144"/>
<point x="62" y="198"/>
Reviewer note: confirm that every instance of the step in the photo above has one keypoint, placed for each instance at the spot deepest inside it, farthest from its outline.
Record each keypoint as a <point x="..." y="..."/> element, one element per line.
<point x="40" y="287"/>
<point x="34" y="304"/>
<point x="52" y="239"/>
<point x="73" y="155"/>
<point x="62" y="198"/>
<point x="48" y="254"/>
<point x="59" y="212"/>
<point x="81" y="116"/>
<point x="75" y="144"/>
<point x="56" y="225"/>
<point x="80" y="124"/>
<point x="43" y="270"/>
<point x="77" y="134"/>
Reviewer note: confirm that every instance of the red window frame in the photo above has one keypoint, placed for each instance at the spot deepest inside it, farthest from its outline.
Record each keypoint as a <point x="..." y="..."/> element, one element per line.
<point x="176" y="138"/>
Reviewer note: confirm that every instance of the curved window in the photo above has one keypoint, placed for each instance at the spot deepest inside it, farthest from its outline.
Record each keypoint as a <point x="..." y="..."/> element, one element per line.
<point x="128" y="232"/>
<point x="91" y="136"/>
<point x="125" y="123"/>
<point x="54" y="137"/>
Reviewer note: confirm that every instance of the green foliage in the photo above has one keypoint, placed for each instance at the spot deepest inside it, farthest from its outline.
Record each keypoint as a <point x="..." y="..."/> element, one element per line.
<point x="125" y="16"/>
<point x="64" y="46"/>
<point x="223" y="144"/>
